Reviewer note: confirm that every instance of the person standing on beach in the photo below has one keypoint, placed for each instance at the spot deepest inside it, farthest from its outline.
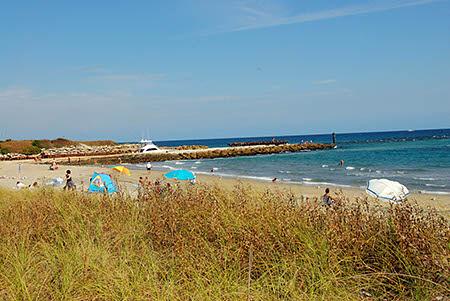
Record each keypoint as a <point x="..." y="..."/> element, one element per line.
<point x="70" y="184"/>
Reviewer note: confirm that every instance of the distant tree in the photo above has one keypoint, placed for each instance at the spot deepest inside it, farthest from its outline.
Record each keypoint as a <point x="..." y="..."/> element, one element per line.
<point x="37" y="143"/>
<point x="4" y="150"/>
<point x="31" y="150"/>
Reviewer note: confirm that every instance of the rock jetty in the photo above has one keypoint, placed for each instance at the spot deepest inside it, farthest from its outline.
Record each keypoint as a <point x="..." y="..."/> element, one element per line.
<point x="85" y="150"/>
<point x="128" y="153"/>
<point x="171" y="155"/>
<point x="250" y="143"/>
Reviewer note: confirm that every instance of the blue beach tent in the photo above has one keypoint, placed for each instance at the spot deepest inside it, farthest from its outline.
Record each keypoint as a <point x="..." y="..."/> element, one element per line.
<point x="180" y="174"/>
<point x="100" y="181"/>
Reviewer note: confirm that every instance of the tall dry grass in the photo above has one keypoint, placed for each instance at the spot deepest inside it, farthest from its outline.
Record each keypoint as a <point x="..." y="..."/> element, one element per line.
<point x="200" y="242"/>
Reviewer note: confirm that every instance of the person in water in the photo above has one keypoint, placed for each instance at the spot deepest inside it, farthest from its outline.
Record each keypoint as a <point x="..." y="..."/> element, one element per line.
<point x="341" y="163"/>
<point x="326" y="198"/>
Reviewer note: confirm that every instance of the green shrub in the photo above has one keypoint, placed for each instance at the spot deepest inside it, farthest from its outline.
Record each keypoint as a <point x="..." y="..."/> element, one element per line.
<point x="4" y="150"/>
<point x="37" y="143"/>
<point x="31" y="150"/>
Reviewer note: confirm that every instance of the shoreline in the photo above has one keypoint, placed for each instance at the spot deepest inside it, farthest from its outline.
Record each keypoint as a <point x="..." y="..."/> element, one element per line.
<point x="306" y="181"/>
<point x="40" y="172"/>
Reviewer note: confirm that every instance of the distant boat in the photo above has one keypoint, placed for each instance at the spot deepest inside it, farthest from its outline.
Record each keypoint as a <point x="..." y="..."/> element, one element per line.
<point x="147" y="146"/>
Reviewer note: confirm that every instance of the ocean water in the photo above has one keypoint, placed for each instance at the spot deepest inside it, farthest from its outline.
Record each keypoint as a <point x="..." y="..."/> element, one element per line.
<point x="418" y="159"/>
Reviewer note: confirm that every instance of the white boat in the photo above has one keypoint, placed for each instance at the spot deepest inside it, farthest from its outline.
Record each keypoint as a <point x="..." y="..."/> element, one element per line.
<point x="147" y="146"/>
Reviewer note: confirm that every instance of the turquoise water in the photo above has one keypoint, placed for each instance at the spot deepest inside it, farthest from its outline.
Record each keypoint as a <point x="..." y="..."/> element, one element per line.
<point x="418" y="159"/>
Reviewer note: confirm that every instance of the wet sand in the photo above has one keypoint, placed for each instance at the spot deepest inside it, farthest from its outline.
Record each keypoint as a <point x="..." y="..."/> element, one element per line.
<point x="31" y="172"/>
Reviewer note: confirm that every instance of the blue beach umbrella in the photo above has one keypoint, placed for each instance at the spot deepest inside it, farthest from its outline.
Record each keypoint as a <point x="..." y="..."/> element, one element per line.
<point x="102" y="183"/>
<point x="180" y="174"/>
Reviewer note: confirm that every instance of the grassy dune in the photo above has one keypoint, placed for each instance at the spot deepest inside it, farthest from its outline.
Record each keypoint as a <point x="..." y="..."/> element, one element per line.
<point x="206" y="243"/>
<point x="35" y="146"/>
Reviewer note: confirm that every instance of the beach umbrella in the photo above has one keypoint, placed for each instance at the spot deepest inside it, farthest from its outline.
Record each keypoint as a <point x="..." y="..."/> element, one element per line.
<point x="387" y="190"/>
<point x="122" y="169"/>
<point x="102" y="183"/>
<point x="180" y="174"/>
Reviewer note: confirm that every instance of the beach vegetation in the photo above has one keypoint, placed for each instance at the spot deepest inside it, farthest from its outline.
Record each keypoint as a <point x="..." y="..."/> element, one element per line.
<point x="4" y="150"/>
<point x="30" y="146"/>
<point x="37" y="143"/>
<point x="31" y="150"/>
<point x="205" y="242"/>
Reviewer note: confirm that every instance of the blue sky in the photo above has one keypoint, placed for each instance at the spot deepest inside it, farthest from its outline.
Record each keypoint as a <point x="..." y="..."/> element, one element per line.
<point x="204" y="69"/>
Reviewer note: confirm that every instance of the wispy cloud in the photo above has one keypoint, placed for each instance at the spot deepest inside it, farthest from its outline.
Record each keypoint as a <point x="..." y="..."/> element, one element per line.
<point x="12" y="94"/>
<point x="324" y="82"/>
<point x="92" y="69"/>
<point x="130" y="77"/>
<point x="100" y="73"/>
<point x="258" y="15"/>
<point x="319" y="93"/>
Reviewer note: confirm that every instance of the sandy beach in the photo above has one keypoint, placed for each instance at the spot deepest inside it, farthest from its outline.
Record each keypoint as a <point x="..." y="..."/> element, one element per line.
<point x="31" y="172"/>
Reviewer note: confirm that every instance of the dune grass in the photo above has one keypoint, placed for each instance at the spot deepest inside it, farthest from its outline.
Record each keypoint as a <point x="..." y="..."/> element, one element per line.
<point x="206" y="243"/>
<point x="30" y="147"/>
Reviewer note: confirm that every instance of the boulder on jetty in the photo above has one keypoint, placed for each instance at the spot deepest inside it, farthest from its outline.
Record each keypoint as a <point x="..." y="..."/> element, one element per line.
<point x="251" y="143"/>
<point x="15" y="156"/>
<point x="75" y="151"/>
<point x="191" y="147"/>
<point x="86" y="150"/>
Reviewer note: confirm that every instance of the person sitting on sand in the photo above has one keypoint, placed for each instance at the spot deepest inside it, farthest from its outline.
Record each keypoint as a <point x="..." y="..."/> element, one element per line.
<point x="34" y="185"/>
<point x="70" y="184"/>
<point x="326" y="198"/>
<point x="54" y="166"/>
<point x="20" y="185"/>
